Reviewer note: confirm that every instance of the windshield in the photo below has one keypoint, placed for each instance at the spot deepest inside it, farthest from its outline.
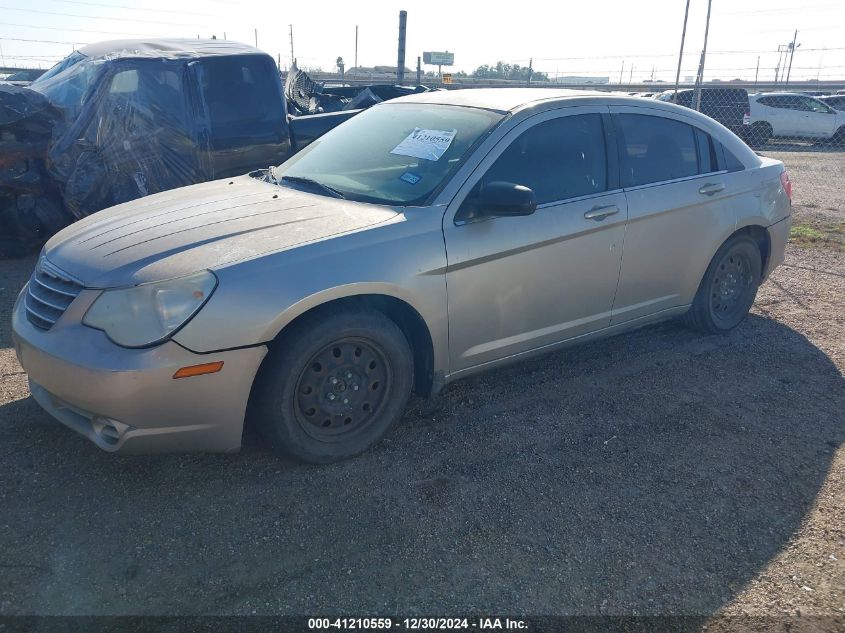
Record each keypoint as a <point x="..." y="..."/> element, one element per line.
<point x="67" y="62"/>
<point x="393" y="153"/>
<point x="66" y="82"/>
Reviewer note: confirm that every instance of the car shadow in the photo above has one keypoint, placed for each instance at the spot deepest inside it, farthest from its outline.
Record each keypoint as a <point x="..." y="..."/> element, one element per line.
<point x="800" y="146"/>
<point x="13" y="275"/>
<point x="656" y="472"/>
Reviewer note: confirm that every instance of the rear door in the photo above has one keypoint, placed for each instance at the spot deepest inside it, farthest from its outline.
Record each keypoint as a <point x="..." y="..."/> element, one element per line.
<point x="779" y="112"/>
<point x="678" y="209"/>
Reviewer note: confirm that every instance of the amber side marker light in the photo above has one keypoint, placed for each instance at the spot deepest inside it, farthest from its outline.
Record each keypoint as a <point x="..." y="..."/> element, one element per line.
<point x="199" y="370"/>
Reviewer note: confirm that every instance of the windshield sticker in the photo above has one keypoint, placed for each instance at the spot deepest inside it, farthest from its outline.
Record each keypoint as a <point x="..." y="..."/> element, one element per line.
<point x="425" y="144"/>
<point x="410" y="177"/>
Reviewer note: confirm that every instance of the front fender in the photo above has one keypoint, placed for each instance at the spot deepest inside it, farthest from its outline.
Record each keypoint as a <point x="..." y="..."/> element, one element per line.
<point x="256" y="299"/>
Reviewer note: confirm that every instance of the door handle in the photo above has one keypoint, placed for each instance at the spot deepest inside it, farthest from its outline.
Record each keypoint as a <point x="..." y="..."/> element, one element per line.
<point x="600" y="213"/>
<point x="712" y="188"/>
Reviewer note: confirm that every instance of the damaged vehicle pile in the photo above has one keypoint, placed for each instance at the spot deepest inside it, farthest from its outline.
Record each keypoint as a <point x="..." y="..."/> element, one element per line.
<point x="120" y="120"/>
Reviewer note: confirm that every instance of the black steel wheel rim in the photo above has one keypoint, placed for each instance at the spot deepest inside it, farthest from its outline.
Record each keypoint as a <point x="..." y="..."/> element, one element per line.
<point x="732" y="283"/>
<point x="343" y="389"/>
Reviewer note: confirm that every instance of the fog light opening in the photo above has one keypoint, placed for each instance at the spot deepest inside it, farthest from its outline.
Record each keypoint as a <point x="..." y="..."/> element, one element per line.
<point x="106" y="430"/>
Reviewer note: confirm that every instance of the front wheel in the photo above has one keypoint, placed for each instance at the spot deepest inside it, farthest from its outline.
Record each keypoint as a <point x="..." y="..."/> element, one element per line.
<point x="728" y="288"/>
<point x="332" y="388"/>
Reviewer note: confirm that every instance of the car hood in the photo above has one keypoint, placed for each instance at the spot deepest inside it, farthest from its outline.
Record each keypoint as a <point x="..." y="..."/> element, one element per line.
<point x="204" y="226"/>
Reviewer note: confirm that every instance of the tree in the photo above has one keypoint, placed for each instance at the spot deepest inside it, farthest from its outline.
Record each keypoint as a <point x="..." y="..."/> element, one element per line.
<point x="507" y="71"/>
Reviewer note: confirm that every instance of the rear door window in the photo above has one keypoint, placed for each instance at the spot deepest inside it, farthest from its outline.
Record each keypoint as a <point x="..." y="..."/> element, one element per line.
<point x="784" y="102"/>
<point x="243" y="99"/>
<point x="655" y="149"/>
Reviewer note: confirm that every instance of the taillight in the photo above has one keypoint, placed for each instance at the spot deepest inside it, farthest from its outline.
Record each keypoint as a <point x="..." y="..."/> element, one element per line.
<point x="787" y="184"/>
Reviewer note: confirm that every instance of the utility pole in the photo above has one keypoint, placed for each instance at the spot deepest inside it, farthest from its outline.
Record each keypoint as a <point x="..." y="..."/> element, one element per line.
<point x="256" y="38"/>
<point x="530" y="70"/>
<point x="356" y="46"/>
<point x="757" y="73"/>
<point x="419" y="70"/>
<point x="631" y="76"/>
<point x="621" y="71"/>
<point x="792" y="48"/>
<point x="292" y="58"/>
<point x="400" y="62"/>
<point x="700" y="79"/>
<point x="782" y="48"/>
<point x="681" y="53"/>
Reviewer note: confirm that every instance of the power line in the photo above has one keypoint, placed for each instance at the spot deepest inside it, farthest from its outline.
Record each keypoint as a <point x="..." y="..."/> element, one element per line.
<point x="738" y="52"/>
<point x="94" y="17"/>
<point x="121" y="6"/>
<point x="44" y="57"/>
<point x="782" y="10"/>
<point x="22" y="39"/>
<point x="57" y="28"/>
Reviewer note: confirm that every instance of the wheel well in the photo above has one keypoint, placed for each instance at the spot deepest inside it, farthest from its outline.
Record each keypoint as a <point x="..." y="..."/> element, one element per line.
<point x="402" y="314"/>
<point x="761" y="237"/>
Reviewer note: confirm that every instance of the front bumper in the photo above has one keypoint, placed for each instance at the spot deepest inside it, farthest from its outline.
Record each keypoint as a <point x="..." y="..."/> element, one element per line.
<point x="126" y="400"/>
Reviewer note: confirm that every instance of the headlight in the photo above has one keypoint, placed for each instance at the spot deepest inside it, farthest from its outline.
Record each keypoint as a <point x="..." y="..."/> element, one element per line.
<point x="150" y="313"/>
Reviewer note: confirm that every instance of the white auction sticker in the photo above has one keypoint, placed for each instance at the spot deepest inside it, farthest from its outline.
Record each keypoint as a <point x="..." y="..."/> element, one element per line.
<point x="426" y="144"/>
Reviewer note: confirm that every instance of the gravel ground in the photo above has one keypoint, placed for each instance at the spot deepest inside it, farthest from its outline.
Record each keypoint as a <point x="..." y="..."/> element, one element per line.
<point x="658" y="472"/>
<point x="817" y="173"/>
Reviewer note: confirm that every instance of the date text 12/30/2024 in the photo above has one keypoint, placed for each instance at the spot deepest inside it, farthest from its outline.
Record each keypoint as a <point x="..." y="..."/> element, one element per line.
<point x="417" y="624"/>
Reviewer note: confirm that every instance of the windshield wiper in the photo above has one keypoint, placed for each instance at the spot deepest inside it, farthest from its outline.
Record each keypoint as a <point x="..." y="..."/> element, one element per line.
<point x="334" y="193"/>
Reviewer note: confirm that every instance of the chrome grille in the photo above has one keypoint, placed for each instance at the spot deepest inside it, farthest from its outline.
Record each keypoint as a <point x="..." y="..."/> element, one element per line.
<point x="49" y="294"/>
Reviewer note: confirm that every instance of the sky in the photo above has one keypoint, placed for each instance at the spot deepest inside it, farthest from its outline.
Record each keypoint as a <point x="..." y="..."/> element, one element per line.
<point x="594" y="38"/>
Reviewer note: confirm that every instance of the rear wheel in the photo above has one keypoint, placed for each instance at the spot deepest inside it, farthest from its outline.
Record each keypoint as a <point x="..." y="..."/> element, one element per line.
<point x="728" y="288"/>
<point x="334" y="387"/>
<point x="760" y="134"/>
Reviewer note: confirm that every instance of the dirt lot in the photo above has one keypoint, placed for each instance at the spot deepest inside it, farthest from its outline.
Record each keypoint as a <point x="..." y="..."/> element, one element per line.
<point x="659" y="472"/>
<point x="818" y="173"/>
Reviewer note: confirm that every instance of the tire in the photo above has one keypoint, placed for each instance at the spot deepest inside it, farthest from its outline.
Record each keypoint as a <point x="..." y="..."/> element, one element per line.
<point x="333" y="387"/>
<point x="839" y="136"/>
<point x="760" y="134"/>
<point x="728" y="289"/>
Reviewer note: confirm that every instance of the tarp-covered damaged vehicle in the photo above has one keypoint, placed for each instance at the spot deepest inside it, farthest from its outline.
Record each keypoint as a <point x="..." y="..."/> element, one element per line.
<point x="119" y="120"/>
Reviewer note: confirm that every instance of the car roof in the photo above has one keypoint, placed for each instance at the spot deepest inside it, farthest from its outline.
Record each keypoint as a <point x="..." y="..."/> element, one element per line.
<point x="169" y="48"/>
<point x="512" y="99"/>
<point x="782" y="94"/>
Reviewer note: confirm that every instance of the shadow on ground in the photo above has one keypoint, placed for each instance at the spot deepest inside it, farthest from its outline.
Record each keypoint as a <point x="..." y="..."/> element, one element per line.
<point x="801" y="146"/>
<point x="652" y="473"/>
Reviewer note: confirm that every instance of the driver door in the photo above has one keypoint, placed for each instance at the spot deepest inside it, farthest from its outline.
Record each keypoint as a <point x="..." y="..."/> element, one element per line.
<point x="520" y="283"/>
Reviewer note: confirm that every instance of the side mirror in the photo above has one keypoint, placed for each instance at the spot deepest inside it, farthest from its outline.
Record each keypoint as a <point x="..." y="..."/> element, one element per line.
<point x="497" y="199"/>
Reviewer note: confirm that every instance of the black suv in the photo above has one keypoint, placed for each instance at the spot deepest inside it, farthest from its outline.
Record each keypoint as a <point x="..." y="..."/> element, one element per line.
<point x="728" y="106"/>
